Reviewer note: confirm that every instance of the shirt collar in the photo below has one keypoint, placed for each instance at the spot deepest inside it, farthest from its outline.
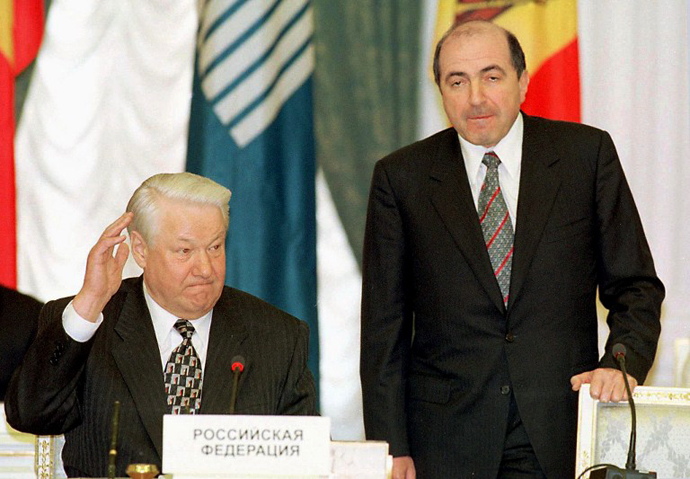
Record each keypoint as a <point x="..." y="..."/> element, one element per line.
<point x="509" y="150"/>
<point x="164" y="321"/>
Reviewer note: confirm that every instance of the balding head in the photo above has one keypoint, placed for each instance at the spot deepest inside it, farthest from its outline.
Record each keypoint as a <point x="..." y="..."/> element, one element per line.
<point x="478" y="27"/>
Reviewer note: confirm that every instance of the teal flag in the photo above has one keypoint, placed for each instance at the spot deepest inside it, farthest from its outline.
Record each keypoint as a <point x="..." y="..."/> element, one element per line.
<point x="251" y="129"/>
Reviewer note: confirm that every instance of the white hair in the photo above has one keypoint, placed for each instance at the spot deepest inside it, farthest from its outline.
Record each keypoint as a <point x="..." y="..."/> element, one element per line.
<point x="188" y="187"/>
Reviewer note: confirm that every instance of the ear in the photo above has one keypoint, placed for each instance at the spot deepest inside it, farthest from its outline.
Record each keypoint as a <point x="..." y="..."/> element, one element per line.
<point x="139" y="248"/>
<point x="523" y="82"/>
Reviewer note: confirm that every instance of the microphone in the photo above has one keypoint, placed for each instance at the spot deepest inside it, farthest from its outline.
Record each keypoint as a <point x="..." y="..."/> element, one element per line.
<point x="237" y="367"/>
<point x="630" y="472"/>
<point x="112" y="454"/>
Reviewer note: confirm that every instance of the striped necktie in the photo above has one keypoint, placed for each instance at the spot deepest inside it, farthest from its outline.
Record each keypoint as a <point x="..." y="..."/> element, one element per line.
<point x="183" y="375"/>
<point x="496" y="224"/>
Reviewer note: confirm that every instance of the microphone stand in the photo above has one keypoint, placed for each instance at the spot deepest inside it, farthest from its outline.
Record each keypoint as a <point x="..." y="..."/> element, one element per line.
<point x="630" y="463"/>
<point x="237" y="368"/>
<point x="630" y="471"/>
<point x="112" y="454"/>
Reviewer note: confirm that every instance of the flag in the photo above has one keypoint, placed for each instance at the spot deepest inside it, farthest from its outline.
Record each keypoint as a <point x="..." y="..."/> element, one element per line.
<point x="21" y="30"/>
<point x="547" y="31"/>
<point x="251" y="129"/>
<point x="107" y="108"/>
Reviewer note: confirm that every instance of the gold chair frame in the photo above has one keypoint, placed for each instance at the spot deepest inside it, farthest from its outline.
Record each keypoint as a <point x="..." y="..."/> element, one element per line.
<point x="663" y="431"/>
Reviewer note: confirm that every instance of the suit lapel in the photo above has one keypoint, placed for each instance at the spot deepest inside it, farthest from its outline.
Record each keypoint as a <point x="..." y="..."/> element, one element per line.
<point x="539" y="183"/>
<point x="138" y="359"/>
<point x="452" y="199"/>
<point x="227" y="334"/>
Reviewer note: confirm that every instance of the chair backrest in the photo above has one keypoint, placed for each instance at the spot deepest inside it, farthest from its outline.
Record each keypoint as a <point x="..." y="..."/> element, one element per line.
<point x="25" y="456"/>
<point x="663" y="431"/>
<point x="681" y="367"/>
<point x="16" y="451"/>
<point x="49" y="457"/>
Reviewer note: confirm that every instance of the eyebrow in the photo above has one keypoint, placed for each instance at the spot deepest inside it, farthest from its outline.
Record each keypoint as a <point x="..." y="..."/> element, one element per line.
<point x="188" y="240"/>
<point x="486" y="69"/>
<point x="493" y="67"/>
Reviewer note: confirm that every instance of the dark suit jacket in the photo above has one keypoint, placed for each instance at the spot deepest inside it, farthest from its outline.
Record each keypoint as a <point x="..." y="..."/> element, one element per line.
<point x="18" y="322"/>
<point x="68" y="387"/>
<point x="440" y="352"/>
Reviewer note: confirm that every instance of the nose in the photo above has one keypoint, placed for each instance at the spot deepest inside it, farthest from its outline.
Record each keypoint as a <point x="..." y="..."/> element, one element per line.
<point x="476" y="93"/>
<point x="202" y="265"/>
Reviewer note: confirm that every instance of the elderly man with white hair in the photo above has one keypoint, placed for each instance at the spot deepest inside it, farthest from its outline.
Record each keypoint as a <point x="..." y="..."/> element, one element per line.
<point x="160" y="343"/>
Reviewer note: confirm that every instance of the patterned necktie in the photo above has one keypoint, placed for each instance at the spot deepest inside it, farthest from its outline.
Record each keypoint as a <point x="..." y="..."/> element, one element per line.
<point x="496" y="224"/>
<point x="183" y="375"/>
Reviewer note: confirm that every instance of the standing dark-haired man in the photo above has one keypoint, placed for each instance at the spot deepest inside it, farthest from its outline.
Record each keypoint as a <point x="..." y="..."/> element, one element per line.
<point x="485" y="245"/>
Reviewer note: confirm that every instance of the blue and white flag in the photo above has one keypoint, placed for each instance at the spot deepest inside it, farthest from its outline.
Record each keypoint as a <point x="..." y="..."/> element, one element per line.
<point x="251" y="129"/>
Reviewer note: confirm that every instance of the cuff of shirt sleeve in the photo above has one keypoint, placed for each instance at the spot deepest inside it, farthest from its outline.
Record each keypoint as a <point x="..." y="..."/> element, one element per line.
<point x="78" y="328"/>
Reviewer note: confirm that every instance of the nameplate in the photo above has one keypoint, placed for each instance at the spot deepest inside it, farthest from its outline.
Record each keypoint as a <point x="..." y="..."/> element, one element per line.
<point x="233" y="445"/>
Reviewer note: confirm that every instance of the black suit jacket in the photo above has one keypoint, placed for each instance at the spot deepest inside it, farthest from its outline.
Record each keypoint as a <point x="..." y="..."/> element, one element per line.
<point x="68" y="387"/>
<point x="441" y="354"/>
<point x="18" y="322"/>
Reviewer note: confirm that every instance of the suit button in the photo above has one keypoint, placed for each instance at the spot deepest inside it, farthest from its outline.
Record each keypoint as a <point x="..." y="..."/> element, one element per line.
<point x="53" y="360"/>
<point x="510" y="337"/>
<point x="505" y="390"/>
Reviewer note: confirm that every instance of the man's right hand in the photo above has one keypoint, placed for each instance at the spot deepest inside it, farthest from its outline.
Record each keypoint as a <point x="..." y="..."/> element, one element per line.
<point x="103" y="270"/>
<point x="403" y="468"/>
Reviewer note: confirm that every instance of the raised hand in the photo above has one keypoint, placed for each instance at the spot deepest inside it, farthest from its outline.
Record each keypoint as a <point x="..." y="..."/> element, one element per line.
<point x="103" y="270"/>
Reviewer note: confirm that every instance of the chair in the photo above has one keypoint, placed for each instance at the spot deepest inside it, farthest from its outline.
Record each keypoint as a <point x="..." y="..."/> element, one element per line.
<point x="16" y="451"/>
<point x="49" y="457"/>
<point x="681" y="367"/>
<point x="25" y="456"/>
<point x="663" y="431"/>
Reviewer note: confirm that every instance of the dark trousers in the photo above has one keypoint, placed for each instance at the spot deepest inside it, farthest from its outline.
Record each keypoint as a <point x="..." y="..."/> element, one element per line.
<point x="519" y="460"/>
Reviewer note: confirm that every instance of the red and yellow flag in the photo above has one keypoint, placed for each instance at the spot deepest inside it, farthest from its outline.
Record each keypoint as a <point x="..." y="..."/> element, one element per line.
<point x="21" y="30"/>
<point x="547" y="30"/>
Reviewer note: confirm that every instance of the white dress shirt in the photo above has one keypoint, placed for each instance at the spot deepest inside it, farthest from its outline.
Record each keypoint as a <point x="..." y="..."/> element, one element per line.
<point x="167" y="336"/>
<point x="509" y="151"/>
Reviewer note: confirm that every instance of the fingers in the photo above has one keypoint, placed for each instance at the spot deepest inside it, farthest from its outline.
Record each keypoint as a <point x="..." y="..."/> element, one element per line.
<point x="633" y="385"/>
<point x="578" y="380"/>
<point x="403" y="468"/>
<point x="103" y="269"/>
<point x="116" y="227"/>
<point x="608" y="385"/>
<point x="121" y="257"/>
<point x="103" y="250"/>
<point x="112" y="236"/>
<point x="600" y="389"/>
